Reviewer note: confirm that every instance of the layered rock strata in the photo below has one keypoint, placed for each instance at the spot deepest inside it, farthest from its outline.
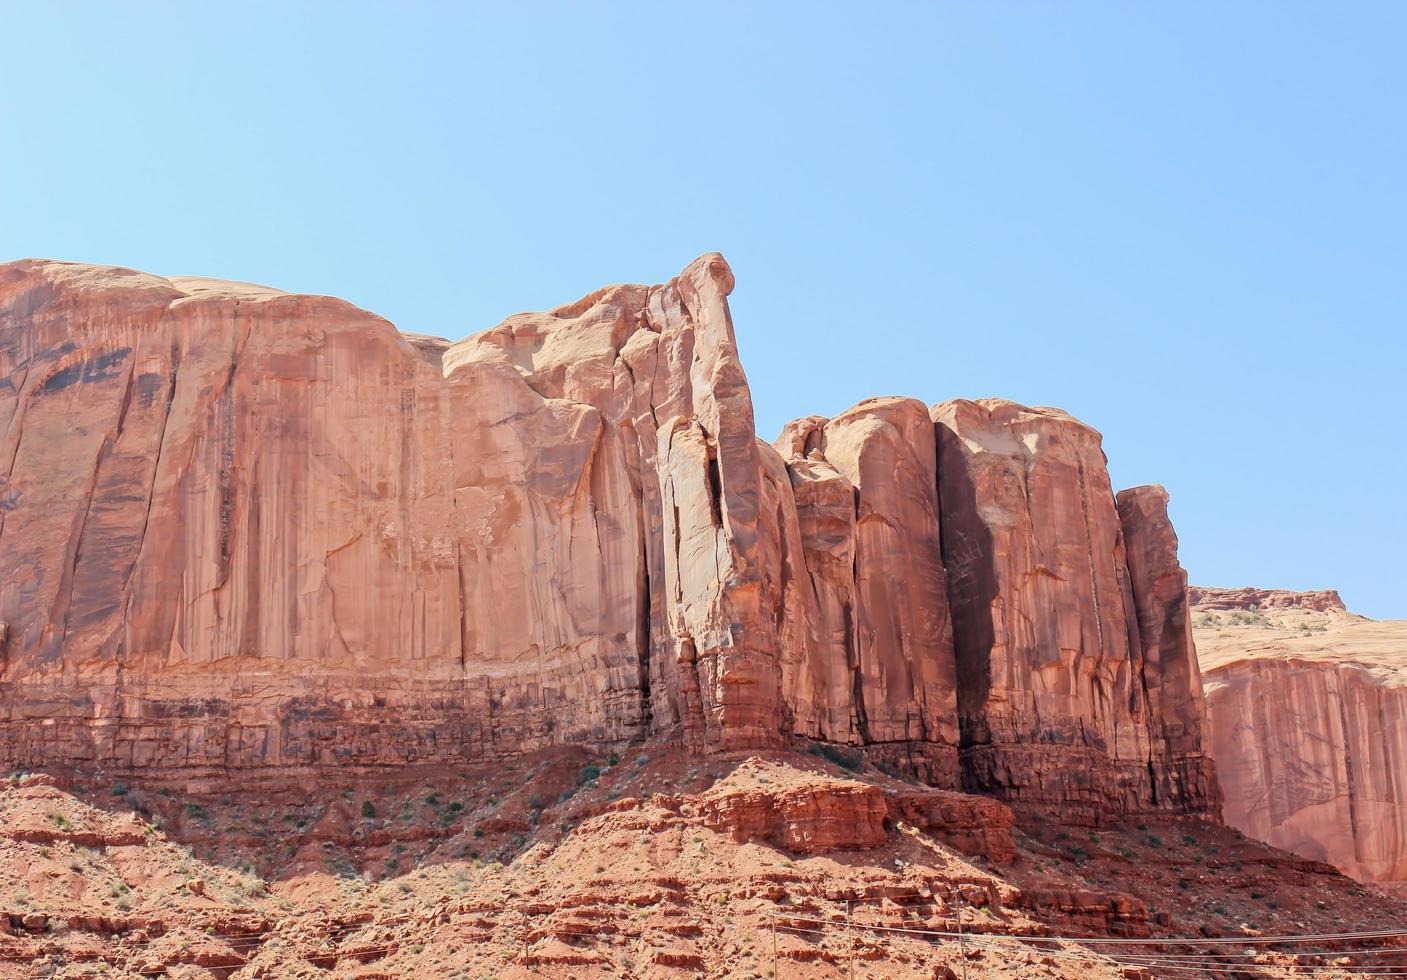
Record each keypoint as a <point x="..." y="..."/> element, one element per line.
<point x="1209" y="599"/>
<point x="243" y="530"/>
<point x="1308" y="709"/>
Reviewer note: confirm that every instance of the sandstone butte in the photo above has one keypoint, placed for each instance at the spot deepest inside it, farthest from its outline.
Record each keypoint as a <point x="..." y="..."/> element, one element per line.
<point x="350" y="652"/>
<point x="1308" y="709"/>
<point x="244" y="532"/>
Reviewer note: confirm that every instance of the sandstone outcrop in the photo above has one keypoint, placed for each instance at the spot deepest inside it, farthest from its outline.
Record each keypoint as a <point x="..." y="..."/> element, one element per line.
<point x="1181" y="771"/>
<point x="248" y="531"/>
<point x="1208" y="599"/>
<point x="866" y="496"/>
<point x="243" y="528"/>
<point x="1308" y="711"/>
<point x="1053" y="682"/>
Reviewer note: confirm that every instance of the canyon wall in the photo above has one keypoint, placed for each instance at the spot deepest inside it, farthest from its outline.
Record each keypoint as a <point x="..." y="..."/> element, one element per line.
<point x="243" y="529"/>
<point x="1308" y="710"/>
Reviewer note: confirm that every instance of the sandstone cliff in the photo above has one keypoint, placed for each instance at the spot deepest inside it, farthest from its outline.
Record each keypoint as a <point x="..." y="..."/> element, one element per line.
<point x="243" y="529"/>
<point x="1051" y="619"/>
<point x="1308" y="709"/>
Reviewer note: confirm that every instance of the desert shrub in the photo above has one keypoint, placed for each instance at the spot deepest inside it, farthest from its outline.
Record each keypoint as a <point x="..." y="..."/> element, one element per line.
<point x="368" y="810"/>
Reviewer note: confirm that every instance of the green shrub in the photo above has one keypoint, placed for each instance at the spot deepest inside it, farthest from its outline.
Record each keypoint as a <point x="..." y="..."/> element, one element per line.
<point x="368" y="810"/>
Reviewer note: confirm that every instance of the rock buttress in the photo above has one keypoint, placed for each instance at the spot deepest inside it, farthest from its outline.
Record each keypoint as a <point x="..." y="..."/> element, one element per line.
<point x="882" y="670"/>
<point x="1180" y="766"/>
<point x="1051" y="701"/>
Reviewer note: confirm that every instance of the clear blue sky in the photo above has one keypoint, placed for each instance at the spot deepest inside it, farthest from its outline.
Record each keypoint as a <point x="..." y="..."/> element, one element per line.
<point x="1186" y="223"/>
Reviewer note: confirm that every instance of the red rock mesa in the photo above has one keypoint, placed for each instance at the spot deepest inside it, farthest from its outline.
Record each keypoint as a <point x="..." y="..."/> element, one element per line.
<point x="243" y="531"/>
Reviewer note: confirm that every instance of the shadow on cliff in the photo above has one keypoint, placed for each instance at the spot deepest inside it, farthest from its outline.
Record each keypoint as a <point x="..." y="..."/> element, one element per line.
<point x="968" y="557"/>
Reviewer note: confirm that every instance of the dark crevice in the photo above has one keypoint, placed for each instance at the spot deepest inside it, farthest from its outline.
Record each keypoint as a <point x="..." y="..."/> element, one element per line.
<point x="156" y="463"/>
<point x="852" y="646"/>
<point x="1348" y="773"/>
<point x="227" y="469"/>
<point x="463" y="606"/>
<point x="643" y="639"/>
<point x="715" y="490"/>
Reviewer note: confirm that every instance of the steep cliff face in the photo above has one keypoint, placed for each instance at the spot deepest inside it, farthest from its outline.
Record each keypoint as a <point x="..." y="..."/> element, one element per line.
<point x="243" y="529"/>
<point x="866" y="493"/>
<point x="1053" y="683"/>
<point x="1179" y="770"/>
<point x="1308" y="710"/>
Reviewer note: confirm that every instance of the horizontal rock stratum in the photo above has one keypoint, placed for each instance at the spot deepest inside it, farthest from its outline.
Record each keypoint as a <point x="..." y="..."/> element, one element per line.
<point x="244" y="530"/>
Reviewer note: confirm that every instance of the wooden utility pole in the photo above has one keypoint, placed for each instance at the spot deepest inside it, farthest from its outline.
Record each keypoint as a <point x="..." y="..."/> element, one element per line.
<point x="776" y="970"/>
<point x="850" y="935"/>
<point x="962" y="940"/>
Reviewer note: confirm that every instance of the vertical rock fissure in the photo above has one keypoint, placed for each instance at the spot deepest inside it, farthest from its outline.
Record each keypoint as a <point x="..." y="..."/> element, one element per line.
<point x="463" y="605"/>
<point x="643" y="637"/>
<point x="852" y="640"/>
<point x="227" y="445"/>
<point x="65" y="598"/>
<point x="1347" y="735"/>
<point x="155" y="470"/>
<point x="715" y="487"/>
<point x="1089" y="554"/>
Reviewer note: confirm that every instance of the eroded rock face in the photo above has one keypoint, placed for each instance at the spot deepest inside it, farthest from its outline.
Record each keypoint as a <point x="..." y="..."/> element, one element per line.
<point x="1051" y="703"/>
<point x="1207" y="599"/>
<point x="1308" y="711"/>
<point x="243" y="528"/>
<point x="247" y="530"/>
<point x="1052" y="680"/>
<point x="1311" y="760"/>
<point x="1182" y="774"/>
<point x="865" y="492"/>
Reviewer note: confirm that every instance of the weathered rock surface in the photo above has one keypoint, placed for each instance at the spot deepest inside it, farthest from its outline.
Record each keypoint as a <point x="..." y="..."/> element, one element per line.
<point x="1208" y="599"/>
<point x="247" y="530"/>
<point x="867" y="502"/>
<point x="243" y="528"/>
<point x="1308" y="710"/>
<point x="1182" y="774"/>
<point x="1053" y="684"/>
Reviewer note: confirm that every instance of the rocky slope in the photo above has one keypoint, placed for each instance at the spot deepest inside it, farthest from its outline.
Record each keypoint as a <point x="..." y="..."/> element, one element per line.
<point x="244" y="532"/>
<point x="1308" y="709"/>
<point x="664" y="864"/>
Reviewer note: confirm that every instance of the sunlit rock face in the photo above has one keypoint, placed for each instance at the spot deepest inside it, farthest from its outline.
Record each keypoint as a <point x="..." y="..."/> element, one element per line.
<point x="1308" y="710"/>
<point x="1053" y="681"/>
<point x="880" y="671"/>
<point x="242" y="529"/>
